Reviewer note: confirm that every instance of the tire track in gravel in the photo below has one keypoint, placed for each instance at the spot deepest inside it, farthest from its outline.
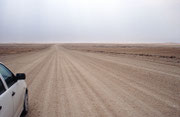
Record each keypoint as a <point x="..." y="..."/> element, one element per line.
<point x="123" y="67"/>
<point x="119" y="73"/>
<point x="160" y="68"/>
<point x="49" y="98"/>
<point x="60" y="98"/>
<point x="70" y="91"/>
<point x="92" y="92"/>
<point x="126" y="96"/>
<point x="64" y="102"/>
<point x="102" y="68"/>
<point x="81" y="94"/>
<point x="31" y="74"/>
<point x="162" y="94"/>
<point x="37" y="90"/>
<point x="65" y="83"/>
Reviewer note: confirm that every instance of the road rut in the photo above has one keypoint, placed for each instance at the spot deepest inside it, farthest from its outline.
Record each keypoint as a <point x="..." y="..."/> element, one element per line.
<point x="67" y="83"/>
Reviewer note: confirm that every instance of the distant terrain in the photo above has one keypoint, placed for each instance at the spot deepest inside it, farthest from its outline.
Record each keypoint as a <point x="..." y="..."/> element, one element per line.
<point x="98" y="80"/>
<point x="164" y="52"/>
<point x="20" y="48"/>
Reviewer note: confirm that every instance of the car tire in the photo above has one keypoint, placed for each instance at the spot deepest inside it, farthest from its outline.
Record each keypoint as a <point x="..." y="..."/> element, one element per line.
<point x="25" y="108"/>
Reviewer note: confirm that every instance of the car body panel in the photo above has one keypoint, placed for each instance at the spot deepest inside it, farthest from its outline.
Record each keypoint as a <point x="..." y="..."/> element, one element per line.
<point x="18" y="98"/>
<point x="6" y="102"/>
<point x="12" y="100"/>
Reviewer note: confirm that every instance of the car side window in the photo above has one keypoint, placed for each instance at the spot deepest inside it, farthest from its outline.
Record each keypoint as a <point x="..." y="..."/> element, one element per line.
<point x="2" y="88"/>
<point x="7" y="75"/>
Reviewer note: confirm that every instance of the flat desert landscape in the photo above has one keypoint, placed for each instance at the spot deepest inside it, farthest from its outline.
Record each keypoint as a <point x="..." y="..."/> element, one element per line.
<point x="98" y="80"/>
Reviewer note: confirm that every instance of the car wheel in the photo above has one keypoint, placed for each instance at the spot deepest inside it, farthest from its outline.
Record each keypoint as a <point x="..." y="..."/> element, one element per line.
<point x="25" y="109"/>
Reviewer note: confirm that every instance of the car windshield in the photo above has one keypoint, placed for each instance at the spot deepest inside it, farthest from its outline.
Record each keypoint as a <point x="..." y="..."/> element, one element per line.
<point x="5" y="72"/>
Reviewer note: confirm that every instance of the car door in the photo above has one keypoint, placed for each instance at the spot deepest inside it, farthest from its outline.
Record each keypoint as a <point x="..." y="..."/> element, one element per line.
<point x="14" y="88"/>
<point x="6" y="102"/>
<point x="18" y="98"/>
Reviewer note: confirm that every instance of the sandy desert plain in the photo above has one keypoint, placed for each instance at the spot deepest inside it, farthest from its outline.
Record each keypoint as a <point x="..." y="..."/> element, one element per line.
<point x="98" y="80"/>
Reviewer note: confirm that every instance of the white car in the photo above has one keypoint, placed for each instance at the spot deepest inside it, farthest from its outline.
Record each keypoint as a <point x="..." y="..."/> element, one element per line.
<point x="13" y="93"/>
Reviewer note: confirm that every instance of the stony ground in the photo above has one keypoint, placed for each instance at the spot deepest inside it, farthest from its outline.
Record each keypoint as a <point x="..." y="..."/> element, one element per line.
<point x="70" y="83"/>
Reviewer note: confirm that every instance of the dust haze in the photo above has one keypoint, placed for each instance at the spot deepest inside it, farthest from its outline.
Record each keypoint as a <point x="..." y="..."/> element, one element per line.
<point x="112" y="21"/>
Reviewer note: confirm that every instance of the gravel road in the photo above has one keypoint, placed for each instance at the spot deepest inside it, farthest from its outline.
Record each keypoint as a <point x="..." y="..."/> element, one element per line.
<point x="67" y="83"/>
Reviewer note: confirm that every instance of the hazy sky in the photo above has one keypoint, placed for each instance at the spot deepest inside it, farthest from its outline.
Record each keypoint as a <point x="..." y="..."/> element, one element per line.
<point x="90" y="21"/>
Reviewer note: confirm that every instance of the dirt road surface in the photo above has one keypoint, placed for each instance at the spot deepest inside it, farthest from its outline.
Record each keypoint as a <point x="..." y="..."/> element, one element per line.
<point x="67" y="83"/>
